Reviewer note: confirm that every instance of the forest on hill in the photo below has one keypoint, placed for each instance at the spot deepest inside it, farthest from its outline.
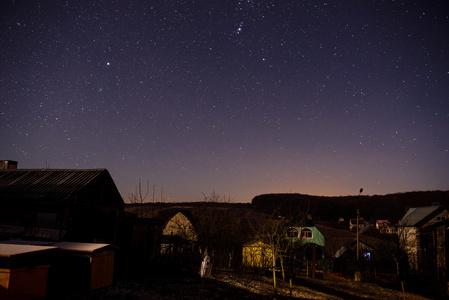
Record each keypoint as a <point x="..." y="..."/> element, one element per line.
<point x="390" y="207"/>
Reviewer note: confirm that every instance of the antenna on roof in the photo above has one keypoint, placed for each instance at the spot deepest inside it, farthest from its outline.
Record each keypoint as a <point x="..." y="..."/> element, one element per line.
<point x="162" y="193"/>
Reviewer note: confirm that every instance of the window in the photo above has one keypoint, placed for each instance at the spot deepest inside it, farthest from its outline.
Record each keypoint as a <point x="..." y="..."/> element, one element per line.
<point x="441" y="218"/>
<point x="292" y="233"/>
<point x="306" y="233"/>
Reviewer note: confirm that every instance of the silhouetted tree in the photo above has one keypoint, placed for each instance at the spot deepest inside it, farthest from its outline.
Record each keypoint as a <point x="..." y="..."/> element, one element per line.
<point x="219" y="230"/>
<point x="272" y="231"/>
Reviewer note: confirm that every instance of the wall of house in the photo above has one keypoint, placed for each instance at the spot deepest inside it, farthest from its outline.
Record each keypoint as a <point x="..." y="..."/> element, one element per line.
<point x="258" y="255"/>
<point x="408" y="240"/>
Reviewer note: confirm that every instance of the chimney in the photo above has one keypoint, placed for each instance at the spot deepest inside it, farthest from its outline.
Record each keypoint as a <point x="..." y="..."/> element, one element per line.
<point x="8" y="164"/>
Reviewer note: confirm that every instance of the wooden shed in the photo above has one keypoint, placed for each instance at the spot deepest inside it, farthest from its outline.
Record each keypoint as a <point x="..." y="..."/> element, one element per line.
<point x="82" y="267"/>
<point x="24" y="271"/>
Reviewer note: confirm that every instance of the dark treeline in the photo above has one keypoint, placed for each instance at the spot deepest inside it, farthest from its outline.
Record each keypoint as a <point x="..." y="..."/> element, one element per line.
<point x="329" y="208"/>
<point x="191" y="204"/>
<point x="391" y="207"/>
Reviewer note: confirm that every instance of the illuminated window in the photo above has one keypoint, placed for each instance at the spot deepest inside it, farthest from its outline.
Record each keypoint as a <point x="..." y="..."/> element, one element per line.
<point x="292" y="233"/>
<point x="306" y="233"/>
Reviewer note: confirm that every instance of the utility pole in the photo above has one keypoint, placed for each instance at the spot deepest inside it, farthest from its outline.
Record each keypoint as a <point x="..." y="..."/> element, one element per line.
<point x="358" y="214"/>
<point x="357" y="235"/>
<point x="152" y="209"/>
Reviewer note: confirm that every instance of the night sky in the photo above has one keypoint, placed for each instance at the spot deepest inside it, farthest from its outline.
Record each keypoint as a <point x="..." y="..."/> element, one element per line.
<point x="237" y="97"/>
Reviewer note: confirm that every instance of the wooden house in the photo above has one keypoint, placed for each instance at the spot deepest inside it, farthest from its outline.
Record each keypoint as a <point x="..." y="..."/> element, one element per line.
<point x="412" y="226"/>
<point x="75" y="205"/>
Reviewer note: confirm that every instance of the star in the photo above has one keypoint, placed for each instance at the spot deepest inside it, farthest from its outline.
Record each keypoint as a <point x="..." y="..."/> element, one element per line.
<point x="323" y="97"/>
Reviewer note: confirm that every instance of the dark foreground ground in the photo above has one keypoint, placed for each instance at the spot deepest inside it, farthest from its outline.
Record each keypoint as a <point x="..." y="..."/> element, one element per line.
<point x="229" y="285"/>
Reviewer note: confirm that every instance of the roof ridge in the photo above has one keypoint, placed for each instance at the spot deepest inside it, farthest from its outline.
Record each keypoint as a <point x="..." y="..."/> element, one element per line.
<point x="72" y="170"/>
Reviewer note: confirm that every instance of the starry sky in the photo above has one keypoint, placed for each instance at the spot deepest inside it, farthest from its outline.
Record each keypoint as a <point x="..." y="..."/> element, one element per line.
<point x="232" y="96"/>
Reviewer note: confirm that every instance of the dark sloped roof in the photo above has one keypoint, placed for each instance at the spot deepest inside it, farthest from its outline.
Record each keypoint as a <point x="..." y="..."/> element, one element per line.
<point x="335" y="238"/>
<point x="415" y="216"/>
<point x="23" y="184"/>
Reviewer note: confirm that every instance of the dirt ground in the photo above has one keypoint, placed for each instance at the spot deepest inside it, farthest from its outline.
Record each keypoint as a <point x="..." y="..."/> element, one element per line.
<point x="229" y="285"/>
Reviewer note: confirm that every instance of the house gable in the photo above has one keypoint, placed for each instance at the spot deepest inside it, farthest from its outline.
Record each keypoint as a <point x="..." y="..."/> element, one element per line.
<point x="180" y="225"/>
<point x="306" y="235"/>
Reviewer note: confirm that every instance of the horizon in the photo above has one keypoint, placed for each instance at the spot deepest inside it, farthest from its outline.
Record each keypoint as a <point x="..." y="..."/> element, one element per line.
<point x="201" y="196"/>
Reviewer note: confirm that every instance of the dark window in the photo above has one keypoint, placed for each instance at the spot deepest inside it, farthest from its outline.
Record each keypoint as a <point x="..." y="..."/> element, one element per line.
<point x="46" y="220"/>
<point x="292" y="233"/>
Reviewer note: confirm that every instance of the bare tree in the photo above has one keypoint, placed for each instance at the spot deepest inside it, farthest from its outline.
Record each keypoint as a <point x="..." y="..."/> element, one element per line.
<point x="137" y="199"/>
<point x="272" y="231"/>
<point x="219" y="230"/>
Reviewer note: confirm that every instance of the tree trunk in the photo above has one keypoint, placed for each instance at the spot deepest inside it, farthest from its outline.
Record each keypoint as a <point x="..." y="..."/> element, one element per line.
<point x="313" y="260"/>
<point x="282" y="269"/>
<point x="274" y="270"/>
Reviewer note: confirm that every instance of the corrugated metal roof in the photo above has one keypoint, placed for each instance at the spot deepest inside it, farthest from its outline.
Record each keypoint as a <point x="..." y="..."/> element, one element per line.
<point x="44" y="184"/>
<point x="416" y="214"/>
